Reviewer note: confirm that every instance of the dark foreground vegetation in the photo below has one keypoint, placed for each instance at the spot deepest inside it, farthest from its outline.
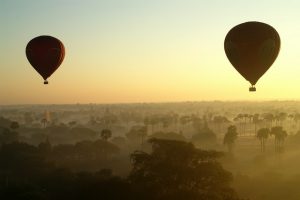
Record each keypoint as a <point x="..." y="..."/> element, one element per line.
<point x="173" y="170"/>
<point x="204" y="150"/>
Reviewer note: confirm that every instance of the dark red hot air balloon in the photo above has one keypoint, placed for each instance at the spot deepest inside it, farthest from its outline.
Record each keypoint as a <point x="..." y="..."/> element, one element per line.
<point x="45" y="54"/>
<point x="252" y="48"/>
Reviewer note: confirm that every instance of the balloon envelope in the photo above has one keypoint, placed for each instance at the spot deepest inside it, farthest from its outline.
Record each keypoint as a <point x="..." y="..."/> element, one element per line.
<point x="252" y="48"/>
<point x="45" y="54"/>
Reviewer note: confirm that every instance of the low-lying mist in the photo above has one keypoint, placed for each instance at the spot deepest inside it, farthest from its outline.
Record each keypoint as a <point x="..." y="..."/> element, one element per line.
<point x="252" y="149"/>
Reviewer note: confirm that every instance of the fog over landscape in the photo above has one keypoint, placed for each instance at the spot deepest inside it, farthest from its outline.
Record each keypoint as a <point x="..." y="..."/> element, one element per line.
<point x="257" y="143"/>
<point x="149" y="100"/>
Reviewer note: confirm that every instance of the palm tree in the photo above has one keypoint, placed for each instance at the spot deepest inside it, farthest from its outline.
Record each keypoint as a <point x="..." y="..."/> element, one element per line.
<point x="280" y="136"/>
<point x="279" y="118"/>
<point x="230" y="138"/>
<point x="268" y="118"/>
<point x="219" y="121"/>
<point x="262" y="135"/>
<point x="255" y="121"/>
<point x="297" y="119"/>
<point x="245" y="116"/>
<point x="239" y="118"/>
<point x="292" y="124"/>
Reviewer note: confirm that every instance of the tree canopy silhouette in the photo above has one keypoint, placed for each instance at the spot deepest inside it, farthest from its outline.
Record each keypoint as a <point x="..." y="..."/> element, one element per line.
<point x="177" y="170"/>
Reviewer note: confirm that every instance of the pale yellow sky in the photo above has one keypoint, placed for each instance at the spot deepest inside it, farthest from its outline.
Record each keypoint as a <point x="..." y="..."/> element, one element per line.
<point x="133" y="51"/>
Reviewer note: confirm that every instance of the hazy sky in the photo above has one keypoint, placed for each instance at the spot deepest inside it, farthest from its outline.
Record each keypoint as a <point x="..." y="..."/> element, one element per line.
<point x="143" y="50"/>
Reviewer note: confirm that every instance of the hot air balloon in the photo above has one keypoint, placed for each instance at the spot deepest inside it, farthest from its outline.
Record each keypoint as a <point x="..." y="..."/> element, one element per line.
<point x="252" y="48"/>
<point x="45" y="54"/>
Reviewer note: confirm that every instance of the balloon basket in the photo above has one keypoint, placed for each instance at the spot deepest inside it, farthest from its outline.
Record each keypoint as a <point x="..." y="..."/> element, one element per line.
<point x="252" y="89"/>
<point x="45" y="82"/>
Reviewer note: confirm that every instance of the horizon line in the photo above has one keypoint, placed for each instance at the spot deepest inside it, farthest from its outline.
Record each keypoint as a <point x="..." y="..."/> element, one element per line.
<point x="155" y="102"/>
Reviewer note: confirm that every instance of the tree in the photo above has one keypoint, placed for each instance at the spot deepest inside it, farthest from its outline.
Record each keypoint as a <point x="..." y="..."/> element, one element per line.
<point x="262" y="135"/>
<point x="280" y="136"/>
<point x="238" y="119"/>
<point x="242" y="120"/>
<point x="84" y="154"/>
<point x="153" y="120"/>
<point x="4" y="122"/>
<point x="245" y="116"/>
<point x="166" y="121"/>
<point x="45" y="147"/>
<point x="44" y="121"/>
<point x="279" y="118"/>
<point x="297" y="119"/>
<point x="168" y="136"/>
<point x="22" y="159"/>
<point x="137" y="133"/>
<point x="14" y="125"/>
<point x="109" y="118"/>
<point x="25" y="173"/>
<point x="183" y="121"/>
<point x="72" y="123"/>
<point x="198" y="123"/>
<point x="8" y="136"/>
<point x="219" y="121"/>
<point x="106" y="134"/>
<point x="204" y="137"/>
<point x="104" y="148"/>
<point x="147" y="123"/>
<point x="177" y="170"/>
<point x="268" y="118"/>
<point x="230" y="138"/>
<point x="83" y="133"/>
<point x="255" y="121"/>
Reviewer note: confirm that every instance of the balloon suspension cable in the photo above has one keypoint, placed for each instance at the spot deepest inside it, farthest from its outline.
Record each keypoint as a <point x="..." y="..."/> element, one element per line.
<point x="45" y="82"/>
<point x="252" y="88"/>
